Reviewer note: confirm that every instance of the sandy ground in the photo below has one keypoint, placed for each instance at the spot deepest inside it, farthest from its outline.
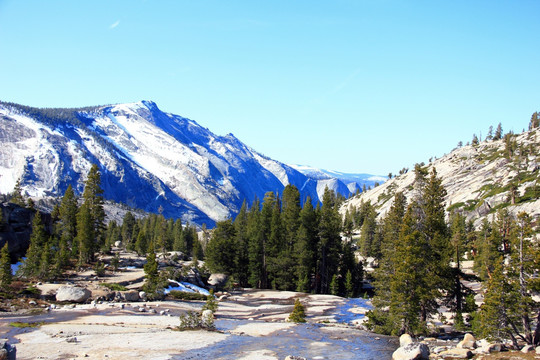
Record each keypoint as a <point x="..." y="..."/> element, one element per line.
<point x="108" y="331"/>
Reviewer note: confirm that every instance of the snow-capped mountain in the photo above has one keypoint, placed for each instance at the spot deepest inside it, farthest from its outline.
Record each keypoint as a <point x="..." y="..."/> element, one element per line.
<point x="148" y="159"/>
<point x="353" y="182"/>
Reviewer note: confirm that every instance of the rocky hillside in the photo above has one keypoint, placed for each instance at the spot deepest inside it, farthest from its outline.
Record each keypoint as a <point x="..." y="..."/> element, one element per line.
<point x="479" y="179"/>
<point x="148" y="159"/>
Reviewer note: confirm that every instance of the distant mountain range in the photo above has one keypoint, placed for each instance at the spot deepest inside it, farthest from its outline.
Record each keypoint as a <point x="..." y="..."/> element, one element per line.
<point x="149" y="159"/>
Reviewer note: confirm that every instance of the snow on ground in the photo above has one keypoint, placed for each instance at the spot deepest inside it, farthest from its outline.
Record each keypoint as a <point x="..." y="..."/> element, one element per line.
<point x="186" y="287"/>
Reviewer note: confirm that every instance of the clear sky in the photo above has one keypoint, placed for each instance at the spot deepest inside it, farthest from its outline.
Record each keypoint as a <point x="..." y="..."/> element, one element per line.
<point x="354" y="86"/>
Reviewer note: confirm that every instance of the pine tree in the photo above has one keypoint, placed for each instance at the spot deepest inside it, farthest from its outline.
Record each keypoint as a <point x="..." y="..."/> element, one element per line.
<point x="221" y="249"/>
<point x="6" y="275"/>
<point x="93" y="199"/>
<point x="242" y="244"/>
<point x="66" y="228"/>
<point x="85" y="235"/>
<point x="16" y="195"/>
<point x="38" y="240"/>
<point x="498" y="132"/>
<point x="306" y="245"/>
<point x="151" y="271"/>
<point x="330" y="241"/>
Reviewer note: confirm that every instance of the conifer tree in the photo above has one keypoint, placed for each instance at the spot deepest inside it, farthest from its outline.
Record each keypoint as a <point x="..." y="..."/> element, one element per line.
<point x="6" y="275"/>
<point x="306" y="245"/>
<point x="151" y="270"/>
<point x="66" y="228"/>
<point x="85" y="235"/>
<point x="38" y="240"/>
<point x="330" y="241"/>
<point x="221" y="249"/>
<point x="16" y="195"/>
<point x="498" y="132"/>
<point x="242" y="244"/>
<point x="93" y="199"/>
<point x="255" y="247"/>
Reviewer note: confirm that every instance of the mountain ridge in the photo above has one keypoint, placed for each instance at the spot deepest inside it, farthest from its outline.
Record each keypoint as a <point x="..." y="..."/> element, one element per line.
<point x="479" y="179"/>
<point x="149" y="159"/>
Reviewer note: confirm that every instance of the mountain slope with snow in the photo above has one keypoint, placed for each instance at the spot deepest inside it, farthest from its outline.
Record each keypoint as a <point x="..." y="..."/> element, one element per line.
<point x="148" y="159"/>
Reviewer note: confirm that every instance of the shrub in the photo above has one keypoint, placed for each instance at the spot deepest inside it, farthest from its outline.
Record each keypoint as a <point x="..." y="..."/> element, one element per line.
<point x="114" y="286"/>
<point x="211" y="303"/>
<point x="184" y="295"/>
<point x="298" y="314"/>
<point x="193" y="320"/>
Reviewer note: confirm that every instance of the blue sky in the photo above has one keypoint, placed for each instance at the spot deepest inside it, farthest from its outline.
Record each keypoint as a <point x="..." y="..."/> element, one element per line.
<point x="354" y="86"/>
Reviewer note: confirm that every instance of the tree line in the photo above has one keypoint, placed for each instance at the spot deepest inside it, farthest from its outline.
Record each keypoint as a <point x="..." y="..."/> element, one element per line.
<point x="420" y="252"/>
<point x="283" y="245"/>
<point x="80" y="233"/>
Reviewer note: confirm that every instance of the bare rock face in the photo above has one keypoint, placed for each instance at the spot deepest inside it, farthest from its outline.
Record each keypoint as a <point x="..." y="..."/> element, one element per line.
<point x="411" y="351"/>
<point x="16" y="228"/>
<point x="72" y="294"/>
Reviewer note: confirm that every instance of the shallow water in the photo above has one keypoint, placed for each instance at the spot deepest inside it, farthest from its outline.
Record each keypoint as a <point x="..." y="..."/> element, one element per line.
<point x="312" y="341"/>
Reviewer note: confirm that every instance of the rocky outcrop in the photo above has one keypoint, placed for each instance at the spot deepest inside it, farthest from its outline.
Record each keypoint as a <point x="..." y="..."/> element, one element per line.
<point x="476" y="179"/>
<point x="72" y="294"/>
<point x="16" y="228"/>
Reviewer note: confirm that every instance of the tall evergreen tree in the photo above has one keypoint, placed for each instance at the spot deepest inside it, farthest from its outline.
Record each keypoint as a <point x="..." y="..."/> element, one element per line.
<point x="242" y="244"/>
<point x="330" y="241"/>
<point x="66" y="228"/>
<point x="38" y="241"/>
<point x="85" y="235"/>
<point x="93" y="200"/>
<point x="6" y="275"/>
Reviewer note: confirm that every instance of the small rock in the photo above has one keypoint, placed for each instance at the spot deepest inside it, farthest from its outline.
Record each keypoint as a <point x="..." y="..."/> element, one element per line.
<point x="72" y="339"/>
<point x="538" y="350"/>
<point x="527" y="349"/>
<point x="32" y="302"/>
<point x="162" y="313"/>
<point x="290" y="357"/>
<point x="141" y="309"/>
<point x="456" y="353"/>
<point x="143" y="296"/>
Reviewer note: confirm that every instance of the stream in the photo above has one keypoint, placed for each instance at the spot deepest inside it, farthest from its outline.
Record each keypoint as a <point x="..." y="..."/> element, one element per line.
<point x="311" y="341"/>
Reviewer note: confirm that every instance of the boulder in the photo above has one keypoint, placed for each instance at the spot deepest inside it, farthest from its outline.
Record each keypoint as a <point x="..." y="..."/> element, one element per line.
<point x="218" y="280"/>
<point x="143" y="296"/>
<point x="129" y="295"/>
<point x="456" y="353"/>
<point x="7" y="351"/>
<point x="75" y="294"/>
<point x="405" y="339"/>
<point x="489" y="348"/>
<point x="117" y="243"/>
<point x="412" y="351"/>
<point x="527" y="349"/>
<point x="468" y="342"/>
<point x="538" y="350"/>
